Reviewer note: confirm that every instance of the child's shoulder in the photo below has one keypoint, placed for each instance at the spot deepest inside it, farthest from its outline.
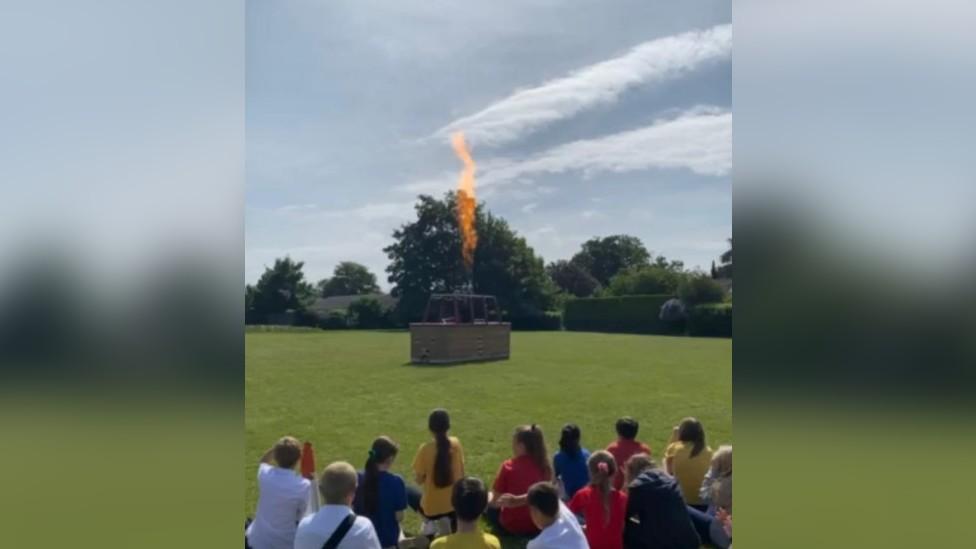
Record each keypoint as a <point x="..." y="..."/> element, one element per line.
<point x="491" y="541"/>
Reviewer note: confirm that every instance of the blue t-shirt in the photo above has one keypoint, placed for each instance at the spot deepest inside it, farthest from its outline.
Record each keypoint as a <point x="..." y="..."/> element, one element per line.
<point x="572" y="470"/>
<point x="393" y="498"/>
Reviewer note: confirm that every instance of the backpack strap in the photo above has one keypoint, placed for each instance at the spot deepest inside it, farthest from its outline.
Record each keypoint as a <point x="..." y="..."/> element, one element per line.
<point x="340" y="532"/>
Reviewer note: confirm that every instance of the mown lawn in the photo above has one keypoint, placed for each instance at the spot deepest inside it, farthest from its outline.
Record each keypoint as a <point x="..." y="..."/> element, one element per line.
<point x="339" y="390"/>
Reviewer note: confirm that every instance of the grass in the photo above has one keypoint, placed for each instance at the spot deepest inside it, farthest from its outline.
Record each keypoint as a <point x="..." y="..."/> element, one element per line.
<point x="339" y="390"/>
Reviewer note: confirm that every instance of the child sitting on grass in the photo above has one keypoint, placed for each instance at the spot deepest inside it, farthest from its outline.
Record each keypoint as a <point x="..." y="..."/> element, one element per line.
<point x="603" y="507"/>
<point x="437" y="465"/>
<point x="558" y="527"/>
<point x="283" y="497"/>
<point x="470" y="498"/>
<point x="569" y="463"/>
<point x="688" y="458"/>
<point x="625" y="446"/>
<point x="382" y="495"/>
<point x="529" y="465"/>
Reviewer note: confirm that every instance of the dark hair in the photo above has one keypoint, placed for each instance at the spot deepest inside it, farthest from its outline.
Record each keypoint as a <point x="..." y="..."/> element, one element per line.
<point x="287" y="451"/>
<point x="569" y="440"/>
<point x="470" y="498"/>
<point x="439" y="423"/>
<point x="691" y="430"/>
<point x="530" y="436"/>
<point x="545" y="498"/>
<point x="627" y="427"/>
<point x="383" y="449"/>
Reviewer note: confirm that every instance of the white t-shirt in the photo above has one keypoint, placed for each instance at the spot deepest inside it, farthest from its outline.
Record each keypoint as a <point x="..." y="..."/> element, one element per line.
<point x="565" y="533"/>
<point x="282" y="499"/>
<point x="314" y="530"/>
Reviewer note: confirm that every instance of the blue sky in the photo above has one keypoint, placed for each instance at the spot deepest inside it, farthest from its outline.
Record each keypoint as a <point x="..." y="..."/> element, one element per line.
<point x="585" y="119"/>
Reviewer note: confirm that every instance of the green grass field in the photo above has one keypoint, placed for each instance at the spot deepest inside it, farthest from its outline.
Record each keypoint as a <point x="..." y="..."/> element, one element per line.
<point x="339" y="390"/>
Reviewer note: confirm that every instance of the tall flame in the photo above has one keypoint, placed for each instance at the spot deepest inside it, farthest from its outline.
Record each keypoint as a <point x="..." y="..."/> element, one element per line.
<point x="466" y="201"/>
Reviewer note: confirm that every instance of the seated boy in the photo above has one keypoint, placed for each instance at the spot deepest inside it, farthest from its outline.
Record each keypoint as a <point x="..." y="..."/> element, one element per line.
<point x="560" y="529"/>
<point x="470" y="498"/>
<point x="334" y="525"/>
<point x="282" y="497"/>
<point x="625" y="446"/>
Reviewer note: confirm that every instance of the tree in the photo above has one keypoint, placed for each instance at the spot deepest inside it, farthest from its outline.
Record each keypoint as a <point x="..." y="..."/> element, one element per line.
<point x="700" y="288"/>
<point x="572" y="279"/>
<point x="605" y="257"/>
<point x="349" y="278"/>
<point x="368" y="313"/>
<point x="647" y="280"/>
<point x="725" y="269"/>
<point x="426" y="258"/>
<point x="281" y="288"/>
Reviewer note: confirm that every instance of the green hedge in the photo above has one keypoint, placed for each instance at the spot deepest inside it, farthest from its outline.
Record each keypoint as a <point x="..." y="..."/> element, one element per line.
<point x="633" y="314"/>
<point x="712" y="320"/>
<point x="548" y="321"/>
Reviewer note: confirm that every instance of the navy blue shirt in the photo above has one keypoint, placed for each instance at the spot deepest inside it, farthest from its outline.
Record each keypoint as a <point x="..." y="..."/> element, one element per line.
<point x="572" y="470"/>
<point x="393" y="498"/>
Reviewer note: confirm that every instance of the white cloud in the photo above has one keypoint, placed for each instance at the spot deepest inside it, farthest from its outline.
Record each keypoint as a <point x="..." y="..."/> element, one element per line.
<point x="527" y="110"/>
<point x="529" y="208"/>
<point x="699" y="140"/>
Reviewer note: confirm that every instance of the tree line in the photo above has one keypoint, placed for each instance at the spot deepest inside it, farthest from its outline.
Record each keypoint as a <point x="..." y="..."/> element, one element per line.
<point x="425" y="257"/>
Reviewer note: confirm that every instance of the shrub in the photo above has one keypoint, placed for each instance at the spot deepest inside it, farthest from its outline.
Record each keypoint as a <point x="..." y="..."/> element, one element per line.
<point x="712" y="320"/>
<point x="547" y="321"/>
<point x="305" y="318"/>
<point x="699" y="288"/>
<point x="367" y="313"/>
<point x="335" y="320"/>
<point x="636" y="314"/>
<point x="644" y="281"/>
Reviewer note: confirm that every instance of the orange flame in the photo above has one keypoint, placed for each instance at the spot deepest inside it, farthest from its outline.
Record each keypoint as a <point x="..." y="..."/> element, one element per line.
<point x="466" y="201"/>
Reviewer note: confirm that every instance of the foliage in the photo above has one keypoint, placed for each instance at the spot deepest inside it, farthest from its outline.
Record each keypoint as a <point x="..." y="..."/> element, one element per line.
<point x="336" y="319"/>
<point x="368" y="313"/>
<point x="572" y="278"/>
<point x="281" y="288"/>
<point x="637" y="314"/>
<point x="349" y="278"/>
<point x="426" y="258"/>
<point x="605" y="257"/>
<point x="645" y="281"/>
<point x="699" y="288"/>
<point x="725" y="269"/>
<point x="712" y="319"/>
<point x="547" y="321"/>
<point x="293" y="379"/>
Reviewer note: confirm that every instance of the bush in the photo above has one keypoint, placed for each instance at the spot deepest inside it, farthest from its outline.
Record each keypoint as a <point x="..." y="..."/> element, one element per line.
<point x="335" y="320"/>
<point x="368" y="313"/>
<point x="644" y="281"/>
<point x="699" y="288"/>
<point x="711" y="320"/>
<point x="548" y="321"/>
<point x="635" y="314"/>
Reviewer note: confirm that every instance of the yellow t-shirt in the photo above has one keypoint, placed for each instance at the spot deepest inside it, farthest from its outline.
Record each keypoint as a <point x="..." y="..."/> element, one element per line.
<point x="437" y="501"/>
<point x="467" y="540"/>
<point x="690" y="471"/>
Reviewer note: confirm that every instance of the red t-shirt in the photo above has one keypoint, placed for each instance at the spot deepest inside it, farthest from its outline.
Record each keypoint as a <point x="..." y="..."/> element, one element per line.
<point x="622" y="449"/>
<point x="515" y="477"/>
<point x="600" y="532"/>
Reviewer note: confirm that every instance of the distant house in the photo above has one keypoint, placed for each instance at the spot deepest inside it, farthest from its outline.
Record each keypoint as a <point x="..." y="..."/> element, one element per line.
<point x="324" y="305"/>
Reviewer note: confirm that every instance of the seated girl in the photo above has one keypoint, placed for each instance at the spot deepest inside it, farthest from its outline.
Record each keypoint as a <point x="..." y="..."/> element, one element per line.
<point x="569" y="463"/>
<point x="437" y="466"/>
<point x="529" y="465"/>
<point x="602" y="506"/>
<point x="381" y="495"/>
<point x="688" y="458"/>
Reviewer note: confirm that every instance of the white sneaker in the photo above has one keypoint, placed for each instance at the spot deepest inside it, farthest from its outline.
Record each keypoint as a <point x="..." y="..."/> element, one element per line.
<point x="443" y="526"/>
<point x="428" y="528"/>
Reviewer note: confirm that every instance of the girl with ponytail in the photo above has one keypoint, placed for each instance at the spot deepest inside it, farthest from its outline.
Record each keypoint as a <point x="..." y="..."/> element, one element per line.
<point x="381" y="496"/>
<point x="529" y="465"/>
<point x="602" y="506"/>
<point x="438" y="464"/>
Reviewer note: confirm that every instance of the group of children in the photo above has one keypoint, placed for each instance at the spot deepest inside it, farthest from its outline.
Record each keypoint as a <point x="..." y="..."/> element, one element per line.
<point x="608" y="499"/>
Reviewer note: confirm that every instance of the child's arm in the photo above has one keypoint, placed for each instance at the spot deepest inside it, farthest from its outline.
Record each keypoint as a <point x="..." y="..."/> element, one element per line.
<point x="511" y="500"/>
<point x="267" y="456"/>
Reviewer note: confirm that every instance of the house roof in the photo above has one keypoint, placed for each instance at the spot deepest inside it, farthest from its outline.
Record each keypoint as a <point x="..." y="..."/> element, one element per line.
<point x="327" y="304"/>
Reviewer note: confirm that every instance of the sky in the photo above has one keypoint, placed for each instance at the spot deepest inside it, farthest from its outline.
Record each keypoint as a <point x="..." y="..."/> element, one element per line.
<point x="585" y="118"/>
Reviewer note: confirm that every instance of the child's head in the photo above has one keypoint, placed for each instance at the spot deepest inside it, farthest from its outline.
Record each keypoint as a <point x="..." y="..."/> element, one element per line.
<point x="381" y="456"/>
<point x="383" y="452"/>
<point x="637" y="464"/>
<point x="338" y="483"/>
<point x="543" y="501"/>
<point x="470" y="498"/>
<point x="569" y="439"/>
<point x="287" y="451"/>
<point x="627" y="428"/>
<point x="529" y="441"/>
<point x="722" y="461"/>
<point x="602" y="468"/>
<point x="439" y="422"/>
<point x="690" y="430"/>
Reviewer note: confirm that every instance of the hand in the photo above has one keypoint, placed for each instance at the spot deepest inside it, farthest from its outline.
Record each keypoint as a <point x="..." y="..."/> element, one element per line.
<point x="725" y="518"/>
<point x="505" y="500"/>
<point x="674" y="434"/>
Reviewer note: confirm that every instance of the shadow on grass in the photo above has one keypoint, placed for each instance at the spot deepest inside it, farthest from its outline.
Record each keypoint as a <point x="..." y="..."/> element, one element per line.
<point x="452" y="364"/>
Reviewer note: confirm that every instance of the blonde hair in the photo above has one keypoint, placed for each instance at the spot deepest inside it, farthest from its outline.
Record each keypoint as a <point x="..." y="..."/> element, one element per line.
<point x="722" y="471"/>
<point x="602" y="468"/>
<point x="637" y="464"/>
<point x="722" y="461"/>
<point x="338" y="482"/>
